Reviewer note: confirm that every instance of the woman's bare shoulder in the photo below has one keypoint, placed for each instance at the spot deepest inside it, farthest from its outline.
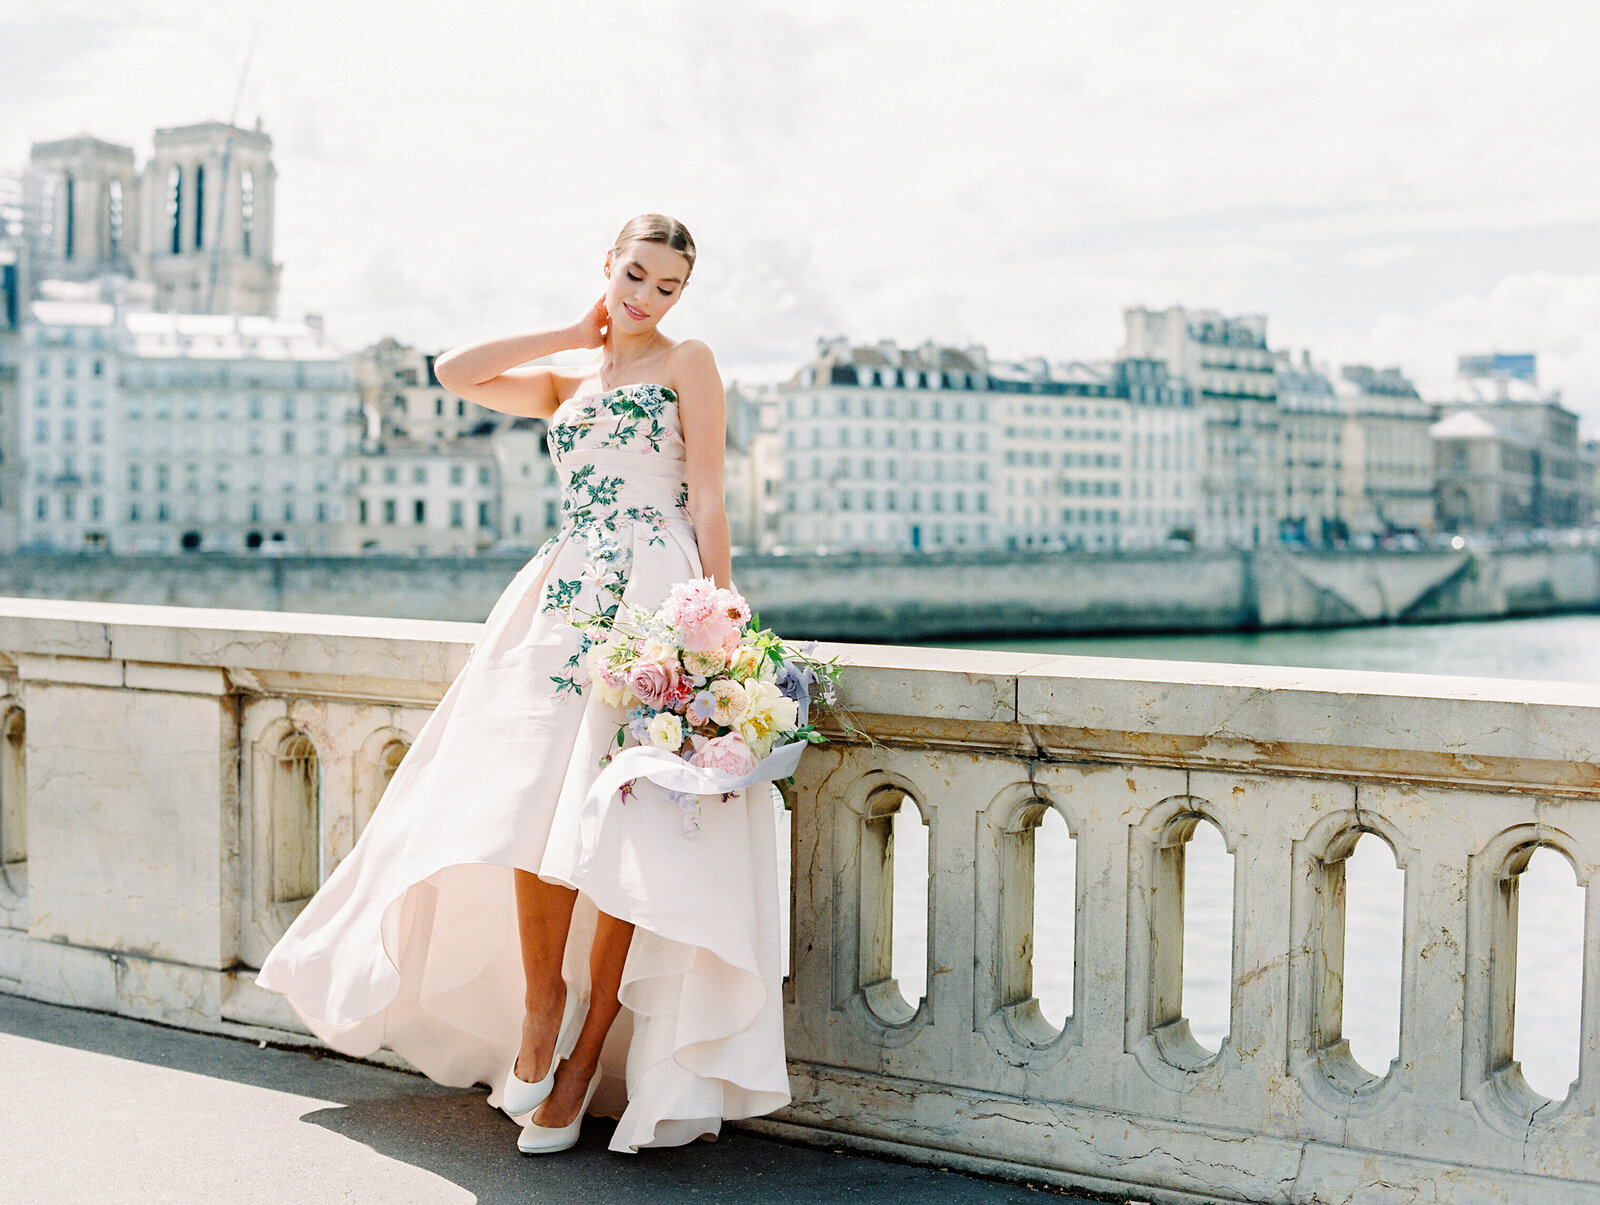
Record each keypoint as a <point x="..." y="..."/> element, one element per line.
<point x="691" y="366"/>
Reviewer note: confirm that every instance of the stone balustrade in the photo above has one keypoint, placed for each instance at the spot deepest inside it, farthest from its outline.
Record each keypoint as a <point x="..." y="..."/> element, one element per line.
<point x="173" y="783"/>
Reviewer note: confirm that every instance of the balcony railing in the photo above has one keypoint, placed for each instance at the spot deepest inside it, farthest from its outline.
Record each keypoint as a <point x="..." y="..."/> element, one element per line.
<point x="173" y="782"/>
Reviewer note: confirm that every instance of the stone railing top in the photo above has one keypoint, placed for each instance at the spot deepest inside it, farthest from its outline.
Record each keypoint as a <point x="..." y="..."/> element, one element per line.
<point x="958" y="696"/>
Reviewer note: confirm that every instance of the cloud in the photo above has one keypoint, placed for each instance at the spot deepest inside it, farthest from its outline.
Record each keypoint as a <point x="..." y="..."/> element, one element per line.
<point x="1555" y="316"/>
<point x="1014" y="175"/>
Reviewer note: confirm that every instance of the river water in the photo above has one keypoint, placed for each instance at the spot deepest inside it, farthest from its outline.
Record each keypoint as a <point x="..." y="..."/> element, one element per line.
<point x="1550" y="942"/>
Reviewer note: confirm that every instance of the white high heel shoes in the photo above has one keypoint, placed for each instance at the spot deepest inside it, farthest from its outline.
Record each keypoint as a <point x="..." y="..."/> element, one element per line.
<point x="518" y="1097"/>
<point x="547" y="1140"/>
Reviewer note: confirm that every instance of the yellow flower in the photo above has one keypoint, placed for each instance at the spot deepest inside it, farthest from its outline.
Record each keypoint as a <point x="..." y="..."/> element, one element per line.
<point x="767" y="713"/>
<point x="745" y="663"/>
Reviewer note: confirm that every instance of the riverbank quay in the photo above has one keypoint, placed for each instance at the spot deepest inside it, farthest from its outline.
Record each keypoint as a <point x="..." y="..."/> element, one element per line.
<point x="175" y="782"/>
<point x="101" y="1108"/>
<point x="901" y="599"/>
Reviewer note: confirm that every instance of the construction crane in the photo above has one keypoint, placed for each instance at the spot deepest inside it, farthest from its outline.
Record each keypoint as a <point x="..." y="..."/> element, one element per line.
<point x="227" y="174"/>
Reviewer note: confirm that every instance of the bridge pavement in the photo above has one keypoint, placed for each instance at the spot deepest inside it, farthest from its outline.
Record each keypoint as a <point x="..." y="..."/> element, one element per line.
<point x="101" y="1108"/>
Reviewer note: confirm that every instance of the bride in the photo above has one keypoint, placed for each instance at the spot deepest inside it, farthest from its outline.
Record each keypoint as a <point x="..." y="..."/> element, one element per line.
<point x="498" y="922"/>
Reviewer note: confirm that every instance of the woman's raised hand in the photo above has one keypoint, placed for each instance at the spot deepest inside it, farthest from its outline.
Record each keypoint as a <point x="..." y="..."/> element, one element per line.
<point x="591" y="328"/>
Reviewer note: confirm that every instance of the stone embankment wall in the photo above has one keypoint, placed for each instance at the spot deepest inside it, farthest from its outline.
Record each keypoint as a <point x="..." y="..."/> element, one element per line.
<point x="896" y="599"/>
<point x="174" y="784"/>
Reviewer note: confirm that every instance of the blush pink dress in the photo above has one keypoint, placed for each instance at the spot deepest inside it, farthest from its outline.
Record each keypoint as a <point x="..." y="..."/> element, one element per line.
<point x="412" y="942"/>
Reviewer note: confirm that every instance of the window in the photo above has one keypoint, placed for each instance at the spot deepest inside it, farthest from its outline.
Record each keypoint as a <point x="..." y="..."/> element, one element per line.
<point x="483" y="474"/>
<point x="419" y="512"/>
<point x="199" y="207"/>
<point x="388" y="511"/>
<point x="457" y="474"/>
<point x="455" y="513"/>
<point x="247" y="209"/>
<point x="419" y="475"/>
<point x="175" y="208"/>
<point x="483" y="515"/>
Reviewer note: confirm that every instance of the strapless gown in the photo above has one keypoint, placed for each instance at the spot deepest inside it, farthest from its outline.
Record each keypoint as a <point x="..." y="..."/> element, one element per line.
<point x="412" y="942"/>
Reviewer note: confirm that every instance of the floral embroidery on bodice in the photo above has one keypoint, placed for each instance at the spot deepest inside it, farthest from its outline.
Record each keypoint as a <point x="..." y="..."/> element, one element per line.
<point x="620" y="454"/>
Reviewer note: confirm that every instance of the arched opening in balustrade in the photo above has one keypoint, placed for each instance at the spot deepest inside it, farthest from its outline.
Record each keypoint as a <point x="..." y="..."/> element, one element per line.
<point x="1547" y="903"/>
<point x="895" y="908"/>
<point x="1036" y="958"/>
<point x="1205" y="884"/>
<point x="296" y="802"/>
<point x="13" y="798"/>
<point x="376" y="776"/>
<point x="1372" y="888"/>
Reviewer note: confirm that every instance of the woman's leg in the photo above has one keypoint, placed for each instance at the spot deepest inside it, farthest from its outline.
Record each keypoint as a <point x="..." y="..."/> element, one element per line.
<point x="544" y="913"/>
<point x="606" y="958"/>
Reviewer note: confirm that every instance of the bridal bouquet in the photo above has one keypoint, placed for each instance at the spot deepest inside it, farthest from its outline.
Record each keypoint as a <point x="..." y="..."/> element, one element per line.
<point x="714" y="703"/>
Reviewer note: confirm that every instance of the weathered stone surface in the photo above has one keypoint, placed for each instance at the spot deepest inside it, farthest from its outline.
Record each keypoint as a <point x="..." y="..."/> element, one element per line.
<point x="154" y="806"/>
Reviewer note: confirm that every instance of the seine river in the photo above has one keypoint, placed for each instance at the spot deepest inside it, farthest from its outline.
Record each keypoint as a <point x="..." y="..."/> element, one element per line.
<point x="1559" y="648"/>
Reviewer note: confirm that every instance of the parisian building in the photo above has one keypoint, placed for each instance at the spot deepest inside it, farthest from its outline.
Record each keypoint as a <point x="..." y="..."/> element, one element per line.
<point x="931" y="448"/>
<point x="1311" y="421"/>
<point x="1507" y="453"/>
<point x="426" y="479"/>
<point x="1233" y="373"/>
<point x="1388" y="455"/>
<point x="892" y="449"/>
<point x="151" y="432"/>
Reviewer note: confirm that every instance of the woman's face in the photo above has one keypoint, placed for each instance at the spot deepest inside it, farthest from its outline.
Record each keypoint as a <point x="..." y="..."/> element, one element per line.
<point x="644" y="282"/>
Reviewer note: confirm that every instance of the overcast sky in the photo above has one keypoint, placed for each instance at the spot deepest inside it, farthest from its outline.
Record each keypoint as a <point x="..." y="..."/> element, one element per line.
<point x="1393" y="181"/>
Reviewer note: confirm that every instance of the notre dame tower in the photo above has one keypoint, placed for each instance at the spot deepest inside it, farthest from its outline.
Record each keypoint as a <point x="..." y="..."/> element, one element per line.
<point x="196" y="223"/>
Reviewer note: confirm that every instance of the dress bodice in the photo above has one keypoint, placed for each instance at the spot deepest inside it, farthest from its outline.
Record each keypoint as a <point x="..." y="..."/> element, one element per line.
<point x="620" y="455"/>
<point x="619" y="448"/>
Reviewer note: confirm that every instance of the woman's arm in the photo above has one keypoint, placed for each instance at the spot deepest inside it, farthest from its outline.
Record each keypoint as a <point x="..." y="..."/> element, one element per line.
<point x="487" y="373"/>
<point x="703" y="411"/>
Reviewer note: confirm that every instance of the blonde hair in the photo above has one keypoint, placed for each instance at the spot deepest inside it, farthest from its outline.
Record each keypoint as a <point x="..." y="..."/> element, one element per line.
<point x="657" y="228"/>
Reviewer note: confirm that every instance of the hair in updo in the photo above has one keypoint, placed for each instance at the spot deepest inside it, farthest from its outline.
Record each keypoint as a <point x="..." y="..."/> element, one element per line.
<point x="657" y="228"/>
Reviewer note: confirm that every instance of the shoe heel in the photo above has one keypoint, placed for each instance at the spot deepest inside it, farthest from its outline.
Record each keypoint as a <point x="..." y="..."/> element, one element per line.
<point x="547" y="1140"/>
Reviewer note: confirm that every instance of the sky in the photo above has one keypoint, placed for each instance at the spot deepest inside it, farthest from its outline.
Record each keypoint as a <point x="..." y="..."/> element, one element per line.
<point x="1389" y="181"/>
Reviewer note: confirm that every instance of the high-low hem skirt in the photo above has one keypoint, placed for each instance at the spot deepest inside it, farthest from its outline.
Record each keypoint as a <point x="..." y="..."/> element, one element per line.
<point x="412" y="944"/>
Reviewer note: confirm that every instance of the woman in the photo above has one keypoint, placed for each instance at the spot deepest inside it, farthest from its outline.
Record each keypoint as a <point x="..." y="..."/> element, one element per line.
<point x="497" y="917"/>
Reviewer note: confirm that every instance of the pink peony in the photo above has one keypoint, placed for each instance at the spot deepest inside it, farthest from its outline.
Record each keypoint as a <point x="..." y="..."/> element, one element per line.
<point x="728" y="753"/>
<point x="652" y="682"/>
<point x="691" y="605"/>
<point x="732" y="604"/>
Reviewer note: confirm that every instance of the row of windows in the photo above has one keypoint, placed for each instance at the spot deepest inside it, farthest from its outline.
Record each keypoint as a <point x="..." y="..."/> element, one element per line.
<point x="390" y="509"/>
<point x="256" y="443"/>
<point x="867" y="406"/>
<point x="69" y="400"/>
<point x="420" y="474"/>
<point x="1086" y="434"/>
<point x="94" y="430"/>
<point x="870" y="469"/>
<point x="889" y="500"/>
<point x="891" y="438"/>
<point x="69" y="365"/>
<point x="1069" y="460"/>
<point x="255" y="408"/>
<point x="440" y="402"/>
<point x="65" y="507"/>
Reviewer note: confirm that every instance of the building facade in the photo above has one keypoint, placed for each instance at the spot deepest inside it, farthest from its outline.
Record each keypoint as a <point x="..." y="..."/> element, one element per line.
<point x="1233" y="374"/>
<point x="1311" y="422"/>
<point x="889" y="449"/>
<point x="194" y="226"/>
<point x="931" y="448"/>
<point x="1388" y="455"/>
<point x="1521" y="465"/>
<point x="145" y="432"/>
